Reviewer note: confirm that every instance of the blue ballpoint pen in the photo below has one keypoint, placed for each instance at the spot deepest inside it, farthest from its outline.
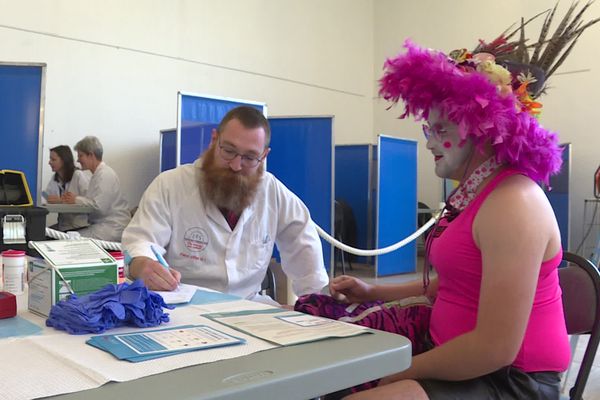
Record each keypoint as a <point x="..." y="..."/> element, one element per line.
<point x="159" y="257"/>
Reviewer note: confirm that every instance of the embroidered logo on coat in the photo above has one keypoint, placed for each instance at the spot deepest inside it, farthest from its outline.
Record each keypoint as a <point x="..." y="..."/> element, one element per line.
<point x="195" y="239"/>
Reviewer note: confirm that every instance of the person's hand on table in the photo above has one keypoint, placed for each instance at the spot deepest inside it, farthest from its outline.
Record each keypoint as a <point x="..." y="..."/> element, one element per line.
<point x="154" y="275"/>
<point x="69" y="198"/>
<point x="53" y="199"/>
<point x="349" y="289"/>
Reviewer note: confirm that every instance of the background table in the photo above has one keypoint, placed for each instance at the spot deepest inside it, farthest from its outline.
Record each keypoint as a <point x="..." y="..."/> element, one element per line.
<point x="68" y="208"/>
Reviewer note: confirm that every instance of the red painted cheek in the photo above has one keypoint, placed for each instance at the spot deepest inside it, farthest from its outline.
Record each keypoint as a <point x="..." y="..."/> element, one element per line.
<point x="447" y="145"/>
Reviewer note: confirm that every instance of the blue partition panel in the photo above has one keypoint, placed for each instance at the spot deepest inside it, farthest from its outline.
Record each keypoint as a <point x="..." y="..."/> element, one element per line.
<point x="20" y="97"/>
<point x="168" y="138"/>
<point x="301" y="157"/>
<point x="209" y="109"/>
<point x="195" y="139"/>
<point x="559" y="196"/>
<point x="352" y="183"/>
<point x="199" y="115"/>
<point x="397" y="204"/>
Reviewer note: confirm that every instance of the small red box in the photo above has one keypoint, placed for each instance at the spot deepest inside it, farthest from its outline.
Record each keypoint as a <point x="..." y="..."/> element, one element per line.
<point x="8" y="305"/>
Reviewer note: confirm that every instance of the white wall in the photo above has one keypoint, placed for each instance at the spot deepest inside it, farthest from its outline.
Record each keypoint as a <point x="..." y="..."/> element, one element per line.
<point x="569" y="105"/>
<point x="114" y="67"/>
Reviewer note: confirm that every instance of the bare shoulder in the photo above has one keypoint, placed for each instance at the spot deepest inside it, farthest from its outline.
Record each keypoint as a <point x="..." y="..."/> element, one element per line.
<point x="518" y="210"/>
<point x="515" y="195"/>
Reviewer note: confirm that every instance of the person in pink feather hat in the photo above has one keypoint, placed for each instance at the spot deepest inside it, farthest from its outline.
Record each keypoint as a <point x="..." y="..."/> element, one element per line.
<point x="495" y="328"/>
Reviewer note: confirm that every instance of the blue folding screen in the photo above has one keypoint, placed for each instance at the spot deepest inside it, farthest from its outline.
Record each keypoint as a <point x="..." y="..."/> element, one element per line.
<point x="195" y="138"/>
<point x="302" y="158"/>
<point x="353" y="184"/>
<point x="21" y="94"/>
<point x="396" y="204"/>
<point x="197" y="116"/>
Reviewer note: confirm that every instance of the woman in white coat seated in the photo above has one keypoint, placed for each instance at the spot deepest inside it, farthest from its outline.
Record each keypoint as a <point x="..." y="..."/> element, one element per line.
<point x="66" y="178"/>
<point x="111" y="212"/>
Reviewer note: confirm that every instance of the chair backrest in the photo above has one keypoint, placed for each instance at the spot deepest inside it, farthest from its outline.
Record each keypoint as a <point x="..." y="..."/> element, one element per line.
<point x="338" y="220"/>
<point x="269" y="286"/>
<point x="580" y="285"/>
<point x="345" y="222"/>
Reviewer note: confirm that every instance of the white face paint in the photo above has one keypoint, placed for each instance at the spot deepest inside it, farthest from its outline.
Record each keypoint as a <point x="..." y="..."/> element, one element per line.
<point x="451" y="156"/>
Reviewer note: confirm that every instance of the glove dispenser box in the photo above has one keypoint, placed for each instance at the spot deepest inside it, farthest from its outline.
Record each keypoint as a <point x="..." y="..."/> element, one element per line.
<point x="51" y="281"/>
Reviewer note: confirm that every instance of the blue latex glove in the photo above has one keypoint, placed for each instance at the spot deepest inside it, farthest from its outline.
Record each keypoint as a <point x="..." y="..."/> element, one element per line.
<point x="110" y="307"/>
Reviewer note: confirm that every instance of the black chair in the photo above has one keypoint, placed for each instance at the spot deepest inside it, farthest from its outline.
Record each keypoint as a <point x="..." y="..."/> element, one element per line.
<point x="344" y="230"/>
<point x="580" y="284"/>
<point x="268" y="286"/>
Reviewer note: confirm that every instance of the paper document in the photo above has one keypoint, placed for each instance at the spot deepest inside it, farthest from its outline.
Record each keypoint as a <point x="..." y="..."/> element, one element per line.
<point x="286" y="327"/>
<point x="64" y="253"/>
<point x="147" y="345"/>
<point x="183" y="294"/>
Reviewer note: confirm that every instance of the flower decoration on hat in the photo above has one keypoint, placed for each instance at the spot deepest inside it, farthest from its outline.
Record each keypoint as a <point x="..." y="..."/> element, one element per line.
<point x="491" y="93"/>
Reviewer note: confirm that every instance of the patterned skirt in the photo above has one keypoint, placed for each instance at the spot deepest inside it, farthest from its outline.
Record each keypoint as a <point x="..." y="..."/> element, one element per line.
<point x="407" y="317"/>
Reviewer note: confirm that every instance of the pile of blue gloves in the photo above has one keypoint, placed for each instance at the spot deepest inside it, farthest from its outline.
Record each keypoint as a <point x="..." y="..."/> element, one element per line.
<point x="110" y="307"/>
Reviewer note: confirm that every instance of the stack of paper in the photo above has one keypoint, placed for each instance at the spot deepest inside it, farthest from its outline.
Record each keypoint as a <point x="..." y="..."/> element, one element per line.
<point x="285" y="327"/>
<point x="190" y="294"/>
<point x="147" y="345"/>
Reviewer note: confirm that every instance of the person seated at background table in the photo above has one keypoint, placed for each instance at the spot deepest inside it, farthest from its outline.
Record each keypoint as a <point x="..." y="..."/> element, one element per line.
<point x="66" y="178"/>
<point x="111" y="213"/>
<point x="496" y="326"/>
<point x="219" y="218"/>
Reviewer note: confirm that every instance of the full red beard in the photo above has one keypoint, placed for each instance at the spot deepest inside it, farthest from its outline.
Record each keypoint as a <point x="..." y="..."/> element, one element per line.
<point x="226" y="188"/>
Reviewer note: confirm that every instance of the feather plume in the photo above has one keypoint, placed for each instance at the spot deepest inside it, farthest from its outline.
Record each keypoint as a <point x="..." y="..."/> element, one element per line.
<point x="563" y="57"/>
<point x="543" y="33"/>
<point x="522" y="54"/>
<point x="577" y="19"/>
<point x="556" y="41"/>
<point x="522" y="25"/>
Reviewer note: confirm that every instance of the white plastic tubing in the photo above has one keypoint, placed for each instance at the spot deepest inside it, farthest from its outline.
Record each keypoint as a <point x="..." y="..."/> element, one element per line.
<point x="75" y="235"/>
<point x="376" y="252"/>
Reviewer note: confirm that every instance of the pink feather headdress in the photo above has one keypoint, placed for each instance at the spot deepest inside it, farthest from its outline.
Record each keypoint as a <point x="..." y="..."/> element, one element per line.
<point x="482" y="109"/>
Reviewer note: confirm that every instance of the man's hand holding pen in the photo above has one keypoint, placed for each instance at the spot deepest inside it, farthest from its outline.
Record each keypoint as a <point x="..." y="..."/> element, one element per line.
<point x="154" y="274"/>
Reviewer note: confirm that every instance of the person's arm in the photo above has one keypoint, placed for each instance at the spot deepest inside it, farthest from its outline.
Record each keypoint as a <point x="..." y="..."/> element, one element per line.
<point x="151" y="226"/>
<point x="298" y="243"/>
<point x="82" y="182"/>
<point x="353" y="290"/>
<point x="154" y="275"/>
<point x="103" y="189"/>
<point x="53" y="196"/>
<point x="515" y="230"/>
<point x="77" y="187"/>
<point x="54" y="199"/>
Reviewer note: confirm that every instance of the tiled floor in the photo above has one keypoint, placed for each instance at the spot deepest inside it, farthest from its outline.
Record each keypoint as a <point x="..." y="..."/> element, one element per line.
<point x="592" y="390"/>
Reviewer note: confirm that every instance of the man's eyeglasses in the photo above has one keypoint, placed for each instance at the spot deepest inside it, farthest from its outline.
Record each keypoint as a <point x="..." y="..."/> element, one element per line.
<point x="229" y="154"/>
<point x="435" y="132"/>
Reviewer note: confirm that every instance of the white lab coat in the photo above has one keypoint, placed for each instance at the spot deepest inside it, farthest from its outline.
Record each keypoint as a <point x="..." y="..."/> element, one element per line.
<point x="111" y="213"/>
<point x="200" y="244"/>
<point x="77" y="185"/>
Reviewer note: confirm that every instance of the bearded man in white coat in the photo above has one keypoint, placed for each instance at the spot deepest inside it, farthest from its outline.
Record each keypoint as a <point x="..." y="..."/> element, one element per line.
<point x="218" y="219"/>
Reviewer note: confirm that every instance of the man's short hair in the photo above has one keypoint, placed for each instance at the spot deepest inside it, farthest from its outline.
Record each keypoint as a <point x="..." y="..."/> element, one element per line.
<point x="250" y="118"/>
<point x="90" y="145"/>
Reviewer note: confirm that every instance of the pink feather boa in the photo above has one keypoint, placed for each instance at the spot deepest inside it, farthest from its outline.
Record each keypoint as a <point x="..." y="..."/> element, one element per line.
<point x="426" y="78"/>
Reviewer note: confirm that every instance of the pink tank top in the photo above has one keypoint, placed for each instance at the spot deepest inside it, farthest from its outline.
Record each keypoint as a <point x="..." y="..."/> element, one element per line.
<point x="457" y="260"/>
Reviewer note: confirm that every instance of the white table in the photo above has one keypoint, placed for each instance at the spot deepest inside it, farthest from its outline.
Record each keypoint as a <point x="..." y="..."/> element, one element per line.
<point x="291" y="372"/>
<point x="294" y="372"/>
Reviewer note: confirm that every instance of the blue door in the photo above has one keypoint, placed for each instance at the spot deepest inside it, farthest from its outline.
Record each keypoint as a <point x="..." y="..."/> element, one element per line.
<point x="20" y="116"/>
